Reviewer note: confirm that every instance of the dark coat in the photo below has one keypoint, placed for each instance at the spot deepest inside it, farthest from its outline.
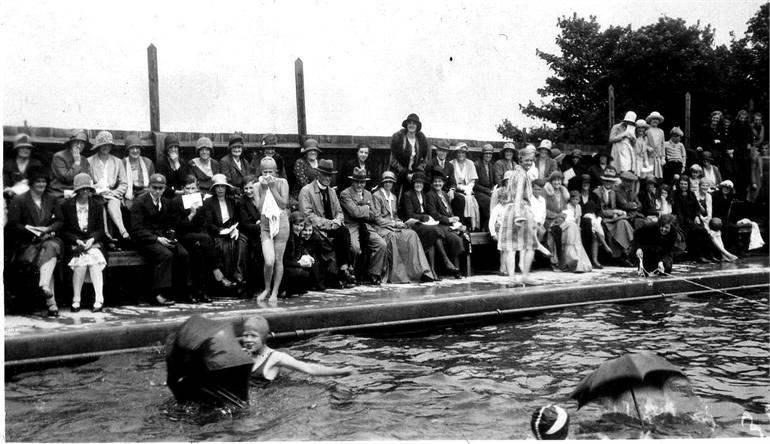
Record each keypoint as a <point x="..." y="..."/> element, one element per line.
<point x="204" y="181"/>
<point x="213" y="215"/>
<point x="400" y="151"/>
<point x="485" y="182"/>
<point x="179" y="217"/>
<point x="11" y="173"/>
<point x="436" y="209"/>
<point x="174" y="178"/>
<point x="686" y="209"/>
<point x="449" y="172"/>
<point x="249" y="219"/>
<point x="147" y="223"/>
<point x="294" y="251"/>
<point x="647" y="204"/>
<point x="71" y="232"/>
<point x="234" y="174"/>
<point x="22" y="211"/>
<point x="410" y="206"/>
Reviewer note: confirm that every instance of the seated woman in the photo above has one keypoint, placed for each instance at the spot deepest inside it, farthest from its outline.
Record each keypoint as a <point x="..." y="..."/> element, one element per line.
<point x="663" y="200"/>
<point x="138" y="171"/>
<point x="110" y="182"/>
<point x="466" y="177"/>
<point x="305" y="171"/>
<point x="16" y="169"/>
<point x="647" y="196"/>
<point x="406" y="262"/>
<point x="271" y="197"/>
<point x="32" y="227"/>
<point x="722" y="204"/>
<point x="704" y="200"/>
<point x="221" y="216"/>
<point x="591" y="229"/>
<point x="434" y="238"/>
<point x="203" y="167"/>
<point x="189" y="221"/>
<point x="321" y="249"/>
<point x="268" y="362"/>
<point x="688" y="212"/>
<point x="172" y="167"/>
<point x="654" y="246"/>
<point x="298" y="264"/>
<point x="83" y="234"/>
<point x="614" y="220"/>
<point x="562" y="221"/>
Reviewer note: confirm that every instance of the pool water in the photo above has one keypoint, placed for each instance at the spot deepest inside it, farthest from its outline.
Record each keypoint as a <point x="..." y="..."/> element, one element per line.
<point x="479" y="382"/>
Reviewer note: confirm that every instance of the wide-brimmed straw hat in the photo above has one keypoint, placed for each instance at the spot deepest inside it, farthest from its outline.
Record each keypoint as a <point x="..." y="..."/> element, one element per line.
<point x="22" y="140"/>
<point x="461" y="146"/>
<point x="105" y="138"/>
<point x="628" y="175"/>
<point x="81" y="181"/>
<point x="443" y="144"/>
<point x="726" y="183"/>
<point x="219" y="179"/>
<point x="414" y="118"/>
<point x="641" y="123"/>
<point x="310" y="145"/>
<point x="545" y="144"/>
<point x="388" y="176"/>
<point x="655" y="115"/>
<point x="359" y="174"/>
<point x="610" y="175"/>
<point x="326" y="166"/>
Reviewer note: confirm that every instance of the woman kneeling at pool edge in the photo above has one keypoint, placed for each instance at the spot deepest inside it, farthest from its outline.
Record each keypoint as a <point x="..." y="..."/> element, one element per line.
<point x="268" y="362"/>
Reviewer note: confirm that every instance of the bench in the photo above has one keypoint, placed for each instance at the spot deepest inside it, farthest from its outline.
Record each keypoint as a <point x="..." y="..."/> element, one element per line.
<point x="126" y="258"/>
<point x="479" y="238"/>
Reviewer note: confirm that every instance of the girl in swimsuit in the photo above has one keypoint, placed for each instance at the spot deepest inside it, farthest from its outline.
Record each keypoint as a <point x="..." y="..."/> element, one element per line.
<point x="268" y="362"/>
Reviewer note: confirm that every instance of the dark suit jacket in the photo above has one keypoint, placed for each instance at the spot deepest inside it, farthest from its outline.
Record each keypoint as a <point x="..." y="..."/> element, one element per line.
<point x="294" y="251"/>
<point x="178" y="216"/>
<point x="71" y="231"/>
<point x="22" y="211"/>
<point x="436" y="209"/>
<point x="400" y="151"/>
<point x="484" y="183"/>
<point x="410" y="206"/>
<point x="11" y="173"/>
<point x="647" y="202"/>
<point x="231" y="171"/>
<point x="147" y="223"/>
<point x="449" y="172"/>
<point x="213" y="215"/>
<point x="249" y="219"/>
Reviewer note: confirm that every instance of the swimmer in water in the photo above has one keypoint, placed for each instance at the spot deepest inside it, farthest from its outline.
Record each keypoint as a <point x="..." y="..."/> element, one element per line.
<point x="268" y="362"/>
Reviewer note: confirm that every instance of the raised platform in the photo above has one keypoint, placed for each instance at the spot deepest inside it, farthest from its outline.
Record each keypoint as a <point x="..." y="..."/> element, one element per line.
<point x="37" y="339"/>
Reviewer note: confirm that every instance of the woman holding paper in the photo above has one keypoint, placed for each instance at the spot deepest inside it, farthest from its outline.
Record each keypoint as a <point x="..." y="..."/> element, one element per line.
<point x="270" y="197"/>
<point x="433" y="236"/>
<point x="221" y="215"/>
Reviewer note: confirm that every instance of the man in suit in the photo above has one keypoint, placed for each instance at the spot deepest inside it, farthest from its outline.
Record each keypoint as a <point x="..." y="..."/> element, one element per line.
<point x="484" y="184"/>
<point x="544" y="164"/>
<point x="441" y="162"/>
<point x="152" y="231"/>
<point x="356" y="203"/>
<point x="319" y="203"/>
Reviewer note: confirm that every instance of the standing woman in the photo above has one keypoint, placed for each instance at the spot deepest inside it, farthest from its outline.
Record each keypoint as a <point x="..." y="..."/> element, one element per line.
<point x="172" y="167"/>
<point x="688" y="212"/>
<point x="409" y="151"/>
<point x="466" y="177"/>
<point x="407" y="261"/>
<point x="655" y="140"/>
<point x="33" y="226"/>
<point x="517" y="229"/>
<point x="271" y="197"/>
<point x="507" y="163"/>
<point x="68" y="163"/>
<point x="83" y="232"/>
<point x="204" y="167"/>
<point x="109" y="177"/>
<point x="138" y="171"/>
<point x="221" y="215"/>
<point x="305" y="168"/>
<point x="16" y="168"/>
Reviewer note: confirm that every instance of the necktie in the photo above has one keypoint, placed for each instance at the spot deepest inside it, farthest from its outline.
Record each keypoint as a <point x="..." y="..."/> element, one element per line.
<point x="327" y="203"/>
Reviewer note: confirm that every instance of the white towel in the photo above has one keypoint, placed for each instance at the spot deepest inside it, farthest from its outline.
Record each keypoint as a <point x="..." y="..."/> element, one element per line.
<point x="272" y="212"/>
<point x="755" y="239"/>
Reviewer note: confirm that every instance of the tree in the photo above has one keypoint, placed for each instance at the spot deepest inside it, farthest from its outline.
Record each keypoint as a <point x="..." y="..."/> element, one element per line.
<point x="748" y="70"/>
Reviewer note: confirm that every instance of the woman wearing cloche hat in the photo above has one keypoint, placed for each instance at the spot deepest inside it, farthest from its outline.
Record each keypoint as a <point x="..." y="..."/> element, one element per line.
<point x="305" y="167"/>
<point x="139" y="169"/>
<point x="110" y="181"/>
<point x="16" y="168"/>
<point x="203" y="167"/>
<point x="409" y="150"/>
<point x="68" y="163"/>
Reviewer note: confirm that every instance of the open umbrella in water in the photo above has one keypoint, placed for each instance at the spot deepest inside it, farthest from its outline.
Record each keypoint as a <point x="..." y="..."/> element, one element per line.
<point x="622" y="374"/>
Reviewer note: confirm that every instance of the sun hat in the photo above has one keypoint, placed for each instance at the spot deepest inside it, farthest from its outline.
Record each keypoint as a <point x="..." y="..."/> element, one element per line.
<point x="529" y="149"/>
<point x="22" y="140"/>
<point x="610" y="175"/>
<point x="555" y="175"/>
<point x="219" y="179"/>
<point x="487" y="148"/>
<point x="414" y="118"/>
<point x="36" y="173"/>
<point x="461" y="146"/>
<point x="157" y="179"/>
<point x="309" y="145"/>
<point x="388" y="176"/>
<point x="131" y="141"/>
<point x="641" y="123"/>
<point x="545" y="144"/>
<point x="78" y="134"/>
<point x="235" y="138"/>
<point x="257" y="324"/>
<point x="630" y="117"/>
<point x="267" y="163"/>
<point x="550" y="422"/>
<point x="170" y="141"/>
<point x="359" y="175"/>
<point x="269" y="140"/>
<point x="726" y="183"/>
<point x="204" y="142"/>
<point x="509" y="146"/>
<point x="655" y="115"/>
<point x="82" y="180"/>
<point x="628" y="175"/>
<point x="419" y="177"/>
<point x="296" y="217"/>
<point x="676" y="131"/>
<point x="326" y="166"/>
<point x="105" y="138"/>
<point x="443" y="144"/>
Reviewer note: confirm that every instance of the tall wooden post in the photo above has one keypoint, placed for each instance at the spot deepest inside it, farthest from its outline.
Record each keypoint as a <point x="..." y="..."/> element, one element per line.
<point x="687" y="120"/>
<point x="751" y="108"/>
<point x="611" y="104"/>
<point x="299" y="78"/>
<point x="152" y="71"/>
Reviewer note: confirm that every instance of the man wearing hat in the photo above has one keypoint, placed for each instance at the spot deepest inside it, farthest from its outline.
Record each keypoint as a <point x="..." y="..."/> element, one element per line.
<point x="319" y="203"/>
<point x="233" y="165"/>
<point x="450" y="185"/>
<point x="356" y="202"/>
<point x="68" y="163"/>
<point x="545" y="165"/>
<point x="482" y="189"/>
<point x="172" y="167"/>
<point x="507" y="163"/>
<point x="152" y="230"/>
<point x="269" y="144"/>
<point x="15" y="169"/>
<point x="623" y="139"/>
<point x="627" y="199"/>
<point x="409" y="150"/>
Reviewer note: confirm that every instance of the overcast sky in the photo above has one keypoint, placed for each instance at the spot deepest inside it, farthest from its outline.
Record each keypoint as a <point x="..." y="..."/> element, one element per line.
<point x="463" y="66"/>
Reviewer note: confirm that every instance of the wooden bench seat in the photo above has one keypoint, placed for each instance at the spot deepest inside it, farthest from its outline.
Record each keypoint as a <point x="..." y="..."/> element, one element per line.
<point x="477" y="239"/>
<point x="126" y="258"/>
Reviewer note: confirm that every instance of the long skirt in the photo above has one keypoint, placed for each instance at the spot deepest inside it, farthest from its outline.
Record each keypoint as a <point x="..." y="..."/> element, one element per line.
<point x="40" y="252"/>
<point x="406" y="262"/>
<point x="472" y="211"/>
<point x="428" y="234"/>
<point x="571" y="256"/>
<point x="517" y="231"/>
<point x="232" y="255"/>
<point x="619" y="235"/>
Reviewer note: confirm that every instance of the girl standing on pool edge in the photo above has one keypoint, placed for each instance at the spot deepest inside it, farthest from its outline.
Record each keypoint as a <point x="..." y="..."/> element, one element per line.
<point x="268" y="362"/>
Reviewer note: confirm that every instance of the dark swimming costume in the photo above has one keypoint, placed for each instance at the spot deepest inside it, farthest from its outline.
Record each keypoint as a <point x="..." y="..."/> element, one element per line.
<point x="258" y="374"/>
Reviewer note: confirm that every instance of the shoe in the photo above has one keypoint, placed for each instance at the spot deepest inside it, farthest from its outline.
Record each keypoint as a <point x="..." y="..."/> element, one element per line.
<point x="455" y="272"/>
<point x="597" y="265"/>
<point x="374" y="280"/>
<point x="53" y="312"/>
<point x="204" y="298"/>
<point x="160" y="300"/>
<point x="426" y="278"/>
<point x="75" y="308"/>
<point x="97" y="309"/>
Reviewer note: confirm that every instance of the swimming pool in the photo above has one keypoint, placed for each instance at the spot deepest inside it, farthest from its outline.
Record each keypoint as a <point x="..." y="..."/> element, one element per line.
<point x="479" y="382"/>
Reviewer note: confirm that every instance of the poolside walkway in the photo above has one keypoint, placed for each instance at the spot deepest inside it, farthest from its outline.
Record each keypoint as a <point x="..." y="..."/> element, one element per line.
<point x="36" y="338"/>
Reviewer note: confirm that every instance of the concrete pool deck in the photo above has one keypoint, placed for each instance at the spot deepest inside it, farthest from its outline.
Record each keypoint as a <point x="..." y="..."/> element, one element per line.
<point x="37" y="339"/>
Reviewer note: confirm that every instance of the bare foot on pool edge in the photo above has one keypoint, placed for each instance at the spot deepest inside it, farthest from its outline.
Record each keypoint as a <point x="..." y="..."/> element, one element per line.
<point x="528" y="282"/>
<point x="261" y="297"/>
<point x="544" y="251"/>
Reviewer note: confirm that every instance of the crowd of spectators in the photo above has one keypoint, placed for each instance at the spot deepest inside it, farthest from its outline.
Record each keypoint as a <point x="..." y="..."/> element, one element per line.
<point x="238" y="224"/>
